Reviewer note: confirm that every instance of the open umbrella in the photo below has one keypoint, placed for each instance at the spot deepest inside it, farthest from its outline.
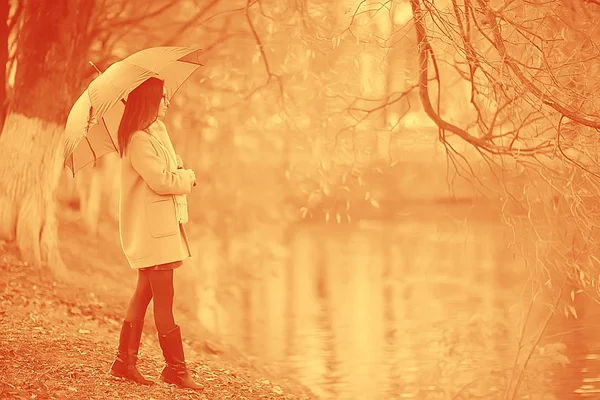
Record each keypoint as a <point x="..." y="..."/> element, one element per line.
<point x="93" y="122"/>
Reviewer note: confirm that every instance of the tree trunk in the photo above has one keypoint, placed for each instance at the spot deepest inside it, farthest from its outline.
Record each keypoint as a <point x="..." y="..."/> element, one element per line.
<point x="94" y="192"/>
<point x="4" y="33"/>
<point x="49" y="64"/>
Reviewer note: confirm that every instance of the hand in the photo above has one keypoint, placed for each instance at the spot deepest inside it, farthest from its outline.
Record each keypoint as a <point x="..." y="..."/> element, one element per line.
<point x="192" y="176"/>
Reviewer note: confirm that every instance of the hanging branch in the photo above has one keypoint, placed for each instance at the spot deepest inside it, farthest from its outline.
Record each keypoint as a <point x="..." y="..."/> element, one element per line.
<point x="497" y="41"/>
<point x="425" y="50"/>
<point x="270" y="75"/>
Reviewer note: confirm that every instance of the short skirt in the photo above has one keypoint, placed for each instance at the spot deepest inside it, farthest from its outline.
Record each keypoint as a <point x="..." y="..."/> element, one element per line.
<point x="164" y="267"/>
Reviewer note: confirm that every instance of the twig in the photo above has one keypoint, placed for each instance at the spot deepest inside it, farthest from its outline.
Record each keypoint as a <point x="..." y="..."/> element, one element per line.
<point x="534" y="346"/>
<point x="498" y="42"/>
<point x="558" y="145"/>
<point x="259" y="43"/>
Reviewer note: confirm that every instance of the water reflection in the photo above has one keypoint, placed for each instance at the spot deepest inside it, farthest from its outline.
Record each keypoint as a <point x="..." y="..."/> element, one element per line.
<point x="426" y="308"/>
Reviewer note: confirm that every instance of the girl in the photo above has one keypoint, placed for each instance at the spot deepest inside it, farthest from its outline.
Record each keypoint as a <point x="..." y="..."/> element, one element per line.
<point x="152" y="211"/>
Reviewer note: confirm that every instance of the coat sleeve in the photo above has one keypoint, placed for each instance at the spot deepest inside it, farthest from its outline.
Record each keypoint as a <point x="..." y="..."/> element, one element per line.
<point x="153" y="170"/>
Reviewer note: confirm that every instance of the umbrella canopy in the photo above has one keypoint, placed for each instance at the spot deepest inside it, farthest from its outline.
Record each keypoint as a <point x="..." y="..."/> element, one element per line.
<point x="93" y="122"/>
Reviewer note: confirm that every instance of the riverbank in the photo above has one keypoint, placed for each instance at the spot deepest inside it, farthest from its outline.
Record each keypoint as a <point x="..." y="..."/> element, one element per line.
<point x="58" y="339"/>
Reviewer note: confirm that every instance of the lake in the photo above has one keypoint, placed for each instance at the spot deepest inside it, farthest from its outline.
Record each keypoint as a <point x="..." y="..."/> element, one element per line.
<point x="428" y="306"/>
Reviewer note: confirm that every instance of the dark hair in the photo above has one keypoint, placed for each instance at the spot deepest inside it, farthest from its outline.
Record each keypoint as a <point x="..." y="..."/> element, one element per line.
<point x="141" y="110"/>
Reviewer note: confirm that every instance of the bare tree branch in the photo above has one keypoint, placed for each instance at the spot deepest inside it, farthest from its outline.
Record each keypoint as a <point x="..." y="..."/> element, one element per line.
<point x="270" y="75"/>
<point x="122" y="22"/>
<point x="194" y="20"/>
<point x="424" y="51"/>
<point x="498" y="42"/>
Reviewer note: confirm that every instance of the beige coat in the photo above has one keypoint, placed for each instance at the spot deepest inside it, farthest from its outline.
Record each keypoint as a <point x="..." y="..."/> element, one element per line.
<point x="149" y="230"/>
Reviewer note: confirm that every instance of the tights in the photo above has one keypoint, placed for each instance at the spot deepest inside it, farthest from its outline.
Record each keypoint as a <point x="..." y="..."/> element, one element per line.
<point x="157" y="285"/>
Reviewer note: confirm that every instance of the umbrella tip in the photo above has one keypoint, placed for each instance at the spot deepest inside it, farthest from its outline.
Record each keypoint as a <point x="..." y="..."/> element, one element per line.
<point x="94" y="65"/>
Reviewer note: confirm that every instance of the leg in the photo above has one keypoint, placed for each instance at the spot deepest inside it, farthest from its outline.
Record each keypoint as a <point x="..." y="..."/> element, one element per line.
<point x="163" y="293"/>
<point x="136" y="310"/>
<point x="169" y="334"/>
<point x="131" y="334"/>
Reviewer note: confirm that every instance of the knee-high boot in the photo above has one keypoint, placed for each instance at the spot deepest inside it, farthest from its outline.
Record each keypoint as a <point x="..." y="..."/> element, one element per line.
<point x="127" y="354"/>
<point x="175" y="371"/>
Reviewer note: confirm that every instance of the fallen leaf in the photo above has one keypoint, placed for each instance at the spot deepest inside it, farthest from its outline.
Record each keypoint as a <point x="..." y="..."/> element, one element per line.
<point x="277" y="389"/>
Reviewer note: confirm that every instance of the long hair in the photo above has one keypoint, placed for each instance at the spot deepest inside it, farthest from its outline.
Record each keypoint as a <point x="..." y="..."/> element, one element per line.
<point x="140" y="112"/>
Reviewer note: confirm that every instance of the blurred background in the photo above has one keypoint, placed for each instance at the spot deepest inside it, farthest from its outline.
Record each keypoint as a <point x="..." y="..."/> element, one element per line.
<point x="376" y="226"/>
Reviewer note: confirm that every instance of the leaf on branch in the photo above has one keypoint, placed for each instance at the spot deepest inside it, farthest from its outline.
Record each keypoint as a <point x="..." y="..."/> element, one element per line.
<point x="304" y="212"/>
<point x="335" y="42"/>
<point x="571" y="310"/>
<point x="256" y="58"/>
<point x="344" y="178"/>
<point x="375" y="203"/>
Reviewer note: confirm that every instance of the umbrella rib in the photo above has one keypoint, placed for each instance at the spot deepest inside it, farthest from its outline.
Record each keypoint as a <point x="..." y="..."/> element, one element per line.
<point x="185" y="80"/>
<point x="109" y="135"/>
<point x="189" y="62"/>
<point x="92" y="149"/>
<point x="73" y="164"/>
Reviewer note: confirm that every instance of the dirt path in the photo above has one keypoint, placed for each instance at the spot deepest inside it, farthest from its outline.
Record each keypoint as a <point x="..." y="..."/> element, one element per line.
<point x="57" y="340"/>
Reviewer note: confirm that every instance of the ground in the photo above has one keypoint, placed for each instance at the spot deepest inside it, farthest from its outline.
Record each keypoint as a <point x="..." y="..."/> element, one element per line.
<point x="58" y="339"/>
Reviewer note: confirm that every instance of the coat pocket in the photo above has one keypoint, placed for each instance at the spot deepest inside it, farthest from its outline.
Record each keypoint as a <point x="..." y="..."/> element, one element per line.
<point x="162" y="220"/>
